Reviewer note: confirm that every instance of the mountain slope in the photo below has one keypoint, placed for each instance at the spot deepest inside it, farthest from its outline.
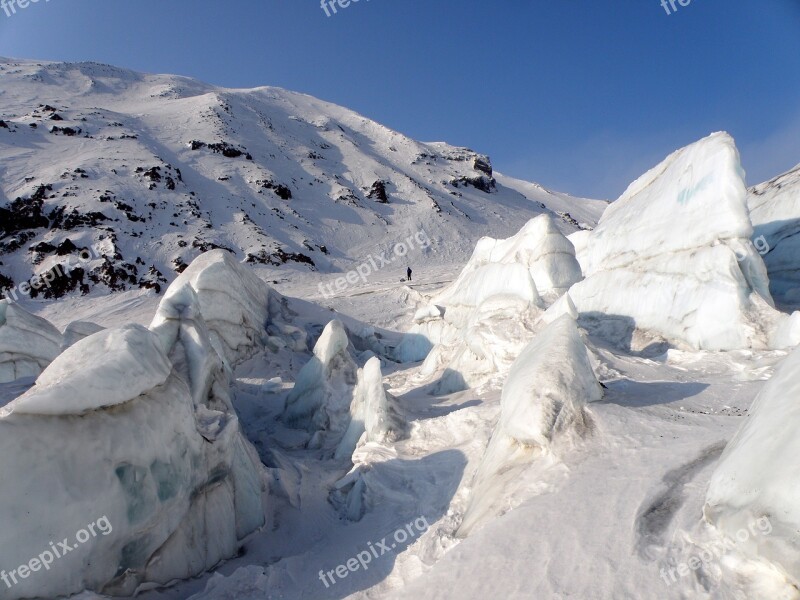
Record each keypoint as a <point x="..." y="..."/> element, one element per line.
<point x="158" y="168"/>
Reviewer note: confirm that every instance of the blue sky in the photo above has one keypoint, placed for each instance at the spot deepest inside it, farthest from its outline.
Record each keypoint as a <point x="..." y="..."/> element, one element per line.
<point x="579" y="95"/>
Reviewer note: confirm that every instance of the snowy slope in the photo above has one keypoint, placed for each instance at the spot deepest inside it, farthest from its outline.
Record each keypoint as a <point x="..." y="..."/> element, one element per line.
<point x="159" y="168"/>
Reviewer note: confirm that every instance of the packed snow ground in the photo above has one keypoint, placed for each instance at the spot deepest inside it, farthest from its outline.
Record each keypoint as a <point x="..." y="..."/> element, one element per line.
<point x="598" y="522"/>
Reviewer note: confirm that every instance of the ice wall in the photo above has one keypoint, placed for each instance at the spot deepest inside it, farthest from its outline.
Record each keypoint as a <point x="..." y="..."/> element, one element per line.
<point x="674" y="255"/>
<point x="135" y="426"/>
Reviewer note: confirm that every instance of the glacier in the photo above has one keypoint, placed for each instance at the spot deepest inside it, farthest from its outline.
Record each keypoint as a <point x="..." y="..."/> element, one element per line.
<point x="470" y="332"/>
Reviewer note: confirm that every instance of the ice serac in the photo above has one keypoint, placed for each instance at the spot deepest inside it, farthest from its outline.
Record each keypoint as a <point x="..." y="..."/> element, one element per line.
<point x="775" y="212"/>
<point x="674" y="255"/>
<point x="78" y="330"/>
<point x="543" y="404"/>
<point x="758" y="472"/>
<point x="374" y="416"/>
<point x="324" y="389"/>
<point x="27" y="343"/>
<point x="103" y="370"/>
<point x="135" y="425"/>
<point x="548" y="387"/>
<point x="471" y="332"/>
<point x="539" y="246"/>
<point x="240" y="310"/>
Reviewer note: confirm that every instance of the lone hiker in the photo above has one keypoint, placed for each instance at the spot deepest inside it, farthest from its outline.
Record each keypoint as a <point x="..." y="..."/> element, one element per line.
<point x="408" y="272"/>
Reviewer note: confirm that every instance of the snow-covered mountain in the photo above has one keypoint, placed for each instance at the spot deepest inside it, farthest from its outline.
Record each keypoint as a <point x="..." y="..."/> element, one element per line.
<point x="159" y="168"/>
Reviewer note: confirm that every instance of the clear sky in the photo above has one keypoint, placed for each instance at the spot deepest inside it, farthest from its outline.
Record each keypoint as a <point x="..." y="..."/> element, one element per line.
<point x="580" y="95"/>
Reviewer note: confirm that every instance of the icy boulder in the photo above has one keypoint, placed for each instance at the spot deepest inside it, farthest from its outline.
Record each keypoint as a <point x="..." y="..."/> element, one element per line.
<point x="133" y="429"/>
<point x="240" y="310"/>
<point x="480" y="348"/>
<point x="549" y="386"/>
<point x="324" y="390"/>
<point x="374" y="415"/>
<point x="775" y="212"/>
<point x="543" y="405"/>
<point x="673" y="255"/>
<point x="757" y="476"/>
<point x="27" y="343"/>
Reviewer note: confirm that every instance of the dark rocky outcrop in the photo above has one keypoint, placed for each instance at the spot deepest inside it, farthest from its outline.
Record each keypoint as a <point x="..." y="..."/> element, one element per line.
<point x="378" y="192"/>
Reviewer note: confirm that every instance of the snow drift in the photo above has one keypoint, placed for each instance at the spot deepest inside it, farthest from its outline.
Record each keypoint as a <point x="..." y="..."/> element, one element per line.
<point x="27" y="343"/>
<point x="775" y="212"/>
<point x="674" y="255"/>
<point x="135" y="425"/>
<point x="543" y="403"/>
<point x="757" y="475"/>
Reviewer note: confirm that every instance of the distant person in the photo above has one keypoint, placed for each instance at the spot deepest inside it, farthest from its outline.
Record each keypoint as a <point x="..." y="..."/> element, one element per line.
<point x="408" y="272"/>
